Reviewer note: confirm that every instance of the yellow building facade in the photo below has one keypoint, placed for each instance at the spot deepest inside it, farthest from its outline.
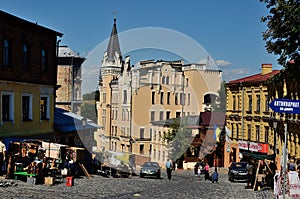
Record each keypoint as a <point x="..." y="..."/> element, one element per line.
<point x="251" y="120"/>
<point x="131" y="98"/>
<point x="40" y="116"/>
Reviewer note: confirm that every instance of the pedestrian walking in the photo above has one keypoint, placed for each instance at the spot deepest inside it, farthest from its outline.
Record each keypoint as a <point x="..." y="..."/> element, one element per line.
<point x="199" y="171"/>
<point x="215" y="176"/>
<point x="196" y="166"/>
<point x="206" y="169"/>
<point x="249" y="168"/>
<point x="2" y="155"/>
<point x="169" y="169"/>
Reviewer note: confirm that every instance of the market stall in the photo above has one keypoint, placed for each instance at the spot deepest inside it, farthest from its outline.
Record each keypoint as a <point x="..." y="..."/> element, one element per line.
<point x="34" y="161"/>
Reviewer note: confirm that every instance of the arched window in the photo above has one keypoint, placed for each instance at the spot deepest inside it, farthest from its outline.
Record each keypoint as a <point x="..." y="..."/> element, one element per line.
<point x="167" y="80"/>
<point x="163" y="80"/>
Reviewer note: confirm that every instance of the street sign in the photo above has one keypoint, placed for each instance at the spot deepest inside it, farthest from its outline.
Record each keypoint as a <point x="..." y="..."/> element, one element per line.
<point x="285" y="106"/>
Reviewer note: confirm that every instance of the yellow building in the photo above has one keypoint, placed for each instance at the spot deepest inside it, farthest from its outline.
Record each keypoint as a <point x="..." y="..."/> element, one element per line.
<point x="27" y="78"/>
<point x="248" y="116"/>
<point x="132" y="98"/>
<point x="284" y="87"/>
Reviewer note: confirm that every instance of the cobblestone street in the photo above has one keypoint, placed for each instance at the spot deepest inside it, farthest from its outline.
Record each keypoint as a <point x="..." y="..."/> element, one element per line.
<point x="182" y="185"/>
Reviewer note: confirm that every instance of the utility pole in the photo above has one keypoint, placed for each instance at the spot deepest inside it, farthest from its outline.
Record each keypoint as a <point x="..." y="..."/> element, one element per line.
<point x="284" y="157"/>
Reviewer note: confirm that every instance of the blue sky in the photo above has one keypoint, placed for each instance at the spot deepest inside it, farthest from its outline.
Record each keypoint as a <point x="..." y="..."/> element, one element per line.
<point x="230" y="31"/>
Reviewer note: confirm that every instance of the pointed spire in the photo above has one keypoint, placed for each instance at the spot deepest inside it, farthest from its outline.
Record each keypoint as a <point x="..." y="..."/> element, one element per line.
<point x="113" y="45"/>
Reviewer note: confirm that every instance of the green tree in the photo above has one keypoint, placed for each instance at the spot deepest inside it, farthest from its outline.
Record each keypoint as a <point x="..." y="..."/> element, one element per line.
<point x="91" y="96"/>
<point x="88" y="107"/>
<point x="220" y="104"/>
<point x="283" y="33"/>
<point x="88" y="110"/>
<point x="178" y="139"/>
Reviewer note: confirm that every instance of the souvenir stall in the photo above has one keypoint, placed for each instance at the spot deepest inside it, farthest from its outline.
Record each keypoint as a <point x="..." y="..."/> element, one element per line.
<point x="35" y="161"/>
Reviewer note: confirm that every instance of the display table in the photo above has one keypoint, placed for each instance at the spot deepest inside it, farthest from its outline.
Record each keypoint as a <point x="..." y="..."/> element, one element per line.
<point x="24" y="173"/>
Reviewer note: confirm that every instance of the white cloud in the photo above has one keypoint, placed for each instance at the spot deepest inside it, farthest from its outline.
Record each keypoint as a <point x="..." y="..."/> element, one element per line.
<point x="223" y="63"/>
<point x="215" y="63"/>
<point x="235" y="73"/>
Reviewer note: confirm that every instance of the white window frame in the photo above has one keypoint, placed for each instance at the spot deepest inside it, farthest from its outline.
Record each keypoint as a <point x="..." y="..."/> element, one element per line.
<point x="11" y="106"/>
<point x="30" y="105"/>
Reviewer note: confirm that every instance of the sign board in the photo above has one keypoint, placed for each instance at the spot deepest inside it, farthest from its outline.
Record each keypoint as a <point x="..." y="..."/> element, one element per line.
<point x="254" y="146"/>
<point x="243" y="145"/>
<point x="285" y="106"/>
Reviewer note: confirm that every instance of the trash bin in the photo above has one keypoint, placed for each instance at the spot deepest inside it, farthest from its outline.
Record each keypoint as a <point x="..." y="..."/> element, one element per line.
<point x="69" y="181"/>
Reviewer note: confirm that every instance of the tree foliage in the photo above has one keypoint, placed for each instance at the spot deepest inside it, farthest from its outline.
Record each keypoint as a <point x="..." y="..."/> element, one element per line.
<point x="88" y="107"/>
<point x="179" y="138"/>
<point x="220" y="104"/>
<point x="283" y="33"/>
<point x="88" y="110"/>
<point x="91" y="96"/>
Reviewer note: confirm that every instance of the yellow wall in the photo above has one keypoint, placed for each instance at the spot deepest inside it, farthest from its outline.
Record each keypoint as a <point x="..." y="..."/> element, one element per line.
<point x="27" y="128"/>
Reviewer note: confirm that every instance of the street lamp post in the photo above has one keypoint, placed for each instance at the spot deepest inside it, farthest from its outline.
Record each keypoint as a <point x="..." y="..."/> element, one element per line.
<point x="274" y="128"/>
<point x="285" y="157"/>
<point x="131" y="142"/>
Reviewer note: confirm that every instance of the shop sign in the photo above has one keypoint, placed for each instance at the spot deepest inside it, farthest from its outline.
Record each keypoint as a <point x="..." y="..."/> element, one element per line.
<point x="258" y="147"/>
<point x="243" y="145"/>
<point x="253" y="146"/>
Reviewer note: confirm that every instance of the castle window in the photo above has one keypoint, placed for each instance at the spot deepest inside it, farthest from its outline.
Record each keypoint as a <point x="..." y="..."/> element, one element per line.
<point x="124" y="96"/>
<point x="153" y="97"/>
<point x="167" y="80"/>
<point x="162" y="98"/>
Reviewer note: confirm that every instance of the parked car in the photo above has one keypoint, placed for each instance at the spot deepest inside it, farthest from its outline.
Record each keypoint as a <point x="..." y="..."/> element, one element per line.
<point x="237" y="171"/>
<point x="150" y="169"/>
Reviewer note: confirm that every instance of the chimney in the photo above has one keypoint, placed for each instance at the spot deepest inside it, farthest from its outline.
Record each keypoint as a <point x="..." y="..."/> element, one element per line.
<point x="266" y="68"/>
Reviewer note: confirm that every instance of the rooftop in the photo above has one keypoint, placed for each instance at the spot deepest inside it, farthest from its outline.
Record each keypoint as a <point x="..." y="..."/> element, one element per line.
<point x="255" y="78"/>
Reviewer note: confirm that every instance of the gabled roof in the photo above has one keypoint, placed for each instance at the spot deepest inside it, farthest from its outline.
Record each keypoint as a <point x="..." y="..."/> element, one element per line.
<point x="11" y="19"/>
<point x="113" y="45"/>
<point x="255" y="78"/>
<point x="65" y="122"/>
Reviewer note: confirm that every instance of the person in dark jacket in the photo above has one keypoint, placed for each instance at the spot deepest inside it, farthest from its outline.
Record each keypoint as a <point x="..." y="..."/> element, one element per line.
<point x="215" y="176"/>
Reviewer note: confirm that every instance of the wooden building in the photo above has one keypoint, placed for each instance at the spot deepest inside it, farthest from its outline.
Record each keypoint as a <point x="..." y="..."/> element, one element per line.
<point x="28" y="75"/>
